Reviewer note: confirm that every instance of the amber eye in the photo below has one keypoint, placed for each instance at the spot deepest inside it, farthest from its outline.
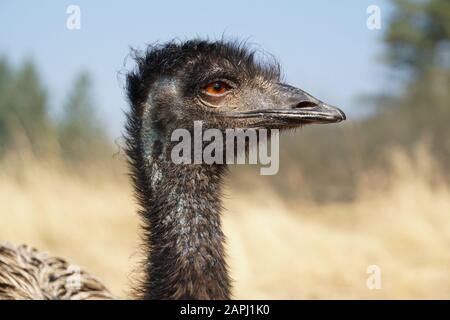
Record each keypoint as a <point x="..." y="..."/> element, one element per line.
<point x="217" y="88"/>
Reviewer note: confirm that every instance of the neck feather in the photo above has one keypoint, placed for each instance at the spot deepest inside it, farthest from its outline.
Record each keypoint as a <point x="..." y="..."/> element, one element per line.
<point x="180" y="207"/>
<point x="183" y="233"/>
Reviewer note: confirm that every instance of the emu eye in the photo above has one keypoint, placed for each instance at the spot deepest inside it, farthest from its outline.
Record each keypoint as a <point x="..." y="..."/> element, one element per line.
<point x="217" y="88"/>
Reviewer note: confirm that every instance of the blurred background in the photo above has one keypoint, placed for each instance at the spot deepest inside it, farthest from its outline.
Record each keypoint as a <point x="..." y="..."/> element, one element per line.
<point x="371" y="191"/>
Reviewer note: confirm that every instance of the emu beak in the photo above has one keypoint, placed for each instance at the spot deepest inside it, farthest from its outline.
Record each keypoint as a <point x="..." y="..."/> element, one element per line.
<point x="289" y="106"/>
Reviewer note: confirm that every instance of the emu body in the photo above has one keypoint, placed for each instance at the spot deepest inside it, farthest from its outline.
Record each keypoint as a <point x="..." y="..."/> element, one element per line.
<point x="26" y="273"/>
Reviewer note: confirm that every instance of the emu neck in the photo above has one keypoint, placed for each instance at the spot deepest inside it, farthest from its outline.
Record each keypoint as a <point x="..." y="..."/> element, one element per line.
<point x="183" y="232"/>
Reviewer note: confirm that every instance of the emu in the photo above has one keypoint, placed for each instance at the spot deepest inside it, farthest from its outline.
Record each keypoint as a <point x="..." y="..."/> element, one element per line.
<point x="219" y="83"/>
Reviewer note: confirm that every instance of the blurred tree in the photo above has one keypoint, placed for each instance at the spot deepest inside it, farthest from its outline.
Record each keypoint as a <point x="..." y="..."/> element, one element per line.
<point x="5" y="82"/>
<point x="25" y="121"/>
<point x="23" y="108"/>
<point x="418" y="35"/>
<point x="418" y="41"/>
<point x="81" y="132"/>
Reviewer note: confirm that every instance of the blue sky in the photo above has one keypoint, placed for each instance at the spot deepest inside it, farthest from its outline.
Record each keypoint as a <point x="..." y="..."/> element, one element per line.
<point x="324" y="46"/>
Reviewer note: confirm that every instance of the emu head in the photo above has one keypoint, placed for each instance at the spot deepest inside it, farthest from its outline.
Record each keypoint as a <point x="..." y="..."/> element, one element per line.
<point x="222" y="84"/>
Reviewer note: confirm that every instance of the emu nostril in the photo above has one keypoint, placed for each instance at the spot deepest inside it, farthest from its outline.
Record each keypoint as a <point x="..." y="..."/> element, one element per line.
<point x="305" y="104"/>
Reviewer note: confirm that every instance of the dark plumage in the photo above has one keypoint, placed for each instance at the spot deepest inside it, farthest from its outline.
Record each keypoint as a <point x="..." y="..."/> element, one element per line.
<point x="180" y="204"/>
<point x="173" y="85"/>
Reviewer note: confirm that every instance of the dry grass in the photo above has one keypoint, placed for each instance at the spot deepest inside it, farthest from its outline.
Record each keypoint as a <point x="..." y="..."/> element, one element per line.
<point x="275" y="251"/>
